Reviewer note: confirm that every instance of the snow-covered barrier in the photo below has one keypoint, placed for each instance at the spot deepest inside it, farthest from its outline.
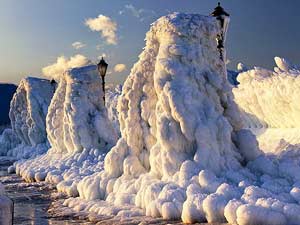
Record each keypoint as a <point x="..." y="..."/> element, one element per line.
<point x="28" y="110"/>
<point x="77" y="117"/>
<point x="78" y="130"/>
<point x="269" y="98"/>
<point x="181" y="149"/>
<point x="269" y="104"/>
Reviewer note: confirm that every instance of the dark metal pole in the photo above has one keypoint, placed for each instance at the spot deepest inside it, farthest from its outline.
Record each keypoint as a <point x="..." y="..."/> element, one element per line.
<point x="221" y="48"/>
<point x="103" y="88"/>
<point x="13" y="212"/>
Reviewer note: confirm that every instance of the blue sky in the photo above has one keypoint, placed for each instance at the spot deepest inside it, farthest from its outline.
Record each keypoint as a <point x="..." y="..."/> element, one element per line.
<point x="34" y="32"/>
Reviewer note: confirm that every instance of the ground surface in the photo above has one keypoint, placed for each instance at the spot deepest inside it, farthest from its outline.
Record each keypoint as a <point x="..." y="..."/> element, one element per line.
<point x="40" y="204"/>
<point x="32" y="200"/>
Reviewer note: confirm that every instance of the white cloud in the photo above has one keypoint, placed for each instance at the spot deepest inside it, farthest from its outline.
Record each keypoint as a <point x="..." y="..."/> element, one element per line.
<point x="106" y="26"/>
<point x="62" y="64"/>
<point x="119" y="68"/>
<point x="78" y="45"/>
<point x="141" y="14"/>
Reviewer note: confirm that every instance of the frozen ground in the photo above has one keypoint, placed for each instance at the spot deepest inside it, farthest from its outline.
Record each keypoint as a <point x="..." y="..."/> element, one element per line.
<point x="39" y="203"/>
<point x="32" y="200"/>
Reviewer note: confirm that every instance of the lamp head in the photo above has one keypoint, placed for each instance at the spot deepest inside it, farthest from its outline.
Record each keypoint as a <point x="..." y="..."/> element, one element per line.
<point x="102" y="67"/>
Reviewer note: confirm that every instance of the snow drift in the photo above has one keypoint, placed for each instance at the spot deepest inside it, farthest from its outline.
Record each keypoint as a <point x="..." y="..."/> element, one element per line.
<point x="269" y="98"/>
<point x="269" y="104"/>
<point x="28" y="110"/>
<point x="78" y="131"/>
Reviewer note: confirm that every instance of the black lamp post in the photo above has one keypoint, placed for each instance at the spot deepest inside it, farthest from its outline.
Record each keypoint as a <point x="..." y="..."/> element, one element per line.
<point x="102" y="68"/>
<point x="223" y="18"/>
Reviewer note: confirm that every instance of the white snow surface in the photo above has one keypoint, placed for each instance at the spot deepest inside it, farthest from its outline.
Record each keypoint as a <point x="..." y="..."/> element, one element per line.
<point x="269" y="98"/>
<point x="78" y="131"/>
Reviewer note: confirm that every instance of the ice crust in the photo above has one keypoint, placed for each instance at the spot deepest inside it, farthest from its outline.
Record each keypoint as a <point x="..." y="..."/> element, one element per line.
<point x="184" y="152"/>
<point x="78" y="130"/>
<point x="28" y="110"/>
<point x="77" y="118"/>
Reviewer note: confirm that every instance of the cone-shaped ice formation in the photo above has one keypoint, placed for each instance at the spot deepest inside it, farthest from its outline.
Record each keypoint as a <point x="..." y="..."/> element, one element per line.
<point x="79" y="132"/>
<point x="77" y="117"/>
<point x="177" y="118"/>
<point x="29" y="108"/>
<point x="28" y="111"/>
<point x="176" y="103"/>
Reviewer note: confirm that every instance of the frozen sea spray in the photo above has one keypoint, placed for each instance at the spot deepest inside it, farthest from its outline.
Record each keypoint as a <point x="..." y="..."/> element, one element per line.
<point x="79" y="132"/>
<point x="177" y="118"/>
<point x="28" y="110"/>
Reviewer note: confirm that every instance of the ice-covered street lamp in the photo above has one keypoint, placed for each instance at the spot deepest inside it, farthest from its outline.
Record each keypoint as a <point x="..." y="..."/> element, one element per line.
<point x="102" y="68"/>
<point x="223" y="18"/>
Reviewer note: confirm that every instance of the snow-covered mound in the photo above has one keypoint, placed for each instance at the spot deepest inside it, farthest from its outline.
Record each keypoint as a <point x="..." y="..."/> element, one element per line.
<point x="180" y="150"/>
<point x="78" y="130"/>
<point x="77" y="118"/>
<point x="29" y="107"/>
<point x="269" y="104"/>
<point x="269" y="98"/>
<point x="28" y="110"/>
